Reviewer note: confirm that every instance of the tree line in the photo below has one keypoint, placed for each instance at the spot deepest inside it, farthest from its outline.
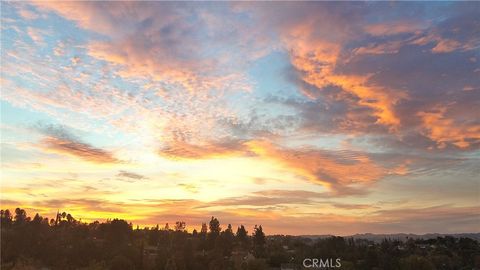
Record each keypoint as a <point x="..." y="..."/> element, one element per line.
<point x="66" y="243"/>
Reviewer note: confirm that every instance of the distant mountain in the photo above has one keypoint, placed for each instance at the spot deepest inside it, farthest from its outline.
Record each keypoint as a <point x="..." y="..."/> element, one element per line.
<point x="400" y="236"/>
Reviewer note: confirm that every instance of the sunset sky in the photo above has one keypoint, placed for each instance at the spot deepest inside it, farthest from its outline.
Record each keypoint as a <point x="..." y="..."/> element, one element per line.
<point x="307" y="118"/>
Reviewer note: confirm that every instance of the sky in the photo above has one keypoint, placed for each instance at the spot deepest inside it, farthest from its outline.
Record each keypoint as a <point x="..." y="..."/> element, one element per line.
<point x="304" y="117"/>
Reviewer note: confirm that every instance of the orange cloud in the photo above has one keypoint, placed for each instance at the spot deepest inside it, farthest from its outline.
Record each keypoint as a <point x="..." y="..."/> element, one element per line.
<point x="88" y="15"/>
<point x="322" y="167"/>
<point x="394" y="28"/>
<point x="444" y="130"/>
<point x="159" y="64"/>
<point x="383" y="48"/>
<point x="316" y="60"/>
<point x="159" y="51"/>
<point x="445" y="45"/>
<point x="333" y="169"/>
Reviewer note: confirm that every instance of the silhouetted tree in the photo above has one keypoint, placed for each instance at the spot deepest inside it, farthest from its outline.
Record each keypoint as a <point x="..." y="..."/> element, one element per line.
<point x="6" y="218"/>
<point x="204" y="229"/>
<point x="180" y="226"/>
<point x="242" y="236"/>
<point x="20" y="216"/>
<point x="35" y="243"/>
<point x="226" y="241"/>
<point x="259" y="242"/>
<point x="214" y="232"/>
<point x="214" y="227"/>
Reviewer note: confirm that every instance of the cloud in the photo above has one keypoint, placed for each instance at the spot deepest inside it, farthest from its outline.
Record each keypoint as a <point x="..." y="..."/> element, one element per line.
<point x="155" y="40"/>
<point x="181" y="64"/>
<point x="350" y="206"/>
<point x="360" y="78"/>
<point x="89" y="15"/>
<point x="397" y="81"/>
<point x="78" y="149"/>
<point x="428" y="219"/>
<point x="9" y="203"/>
<point x="437" y="218"/>
<point x="395" y="27"/>
<point x="59" y="140"/>
<point x="180" y="149"/>
<point x="193" y="188"/>
<point x="36" y="35"/>
<point x="357" y="76"/>
<point x="276" y="199"/>
<point x="444" y="130"/>
<point x="131" y="175"/>
<point x="315" y="53"/>
<point x="383" y="48"/>
<point x="344" y="172"/>
<point x="85" y="204"/>
<point x="341" y="171"/>
<point x="268" y="198"/>
<point x="28" y="14"/>
<point x="418" y="112"/>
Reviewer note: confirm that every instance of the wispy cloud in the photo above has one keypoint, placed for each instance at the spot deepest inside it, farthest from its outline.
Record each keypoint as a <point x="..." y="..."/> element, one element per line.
<point x="342" y="172"/>
<point x="269" y="198"/>
<point x="180" y="149"/>
<point x="59" y="140"/>
<point x="131" y="175"/>
<point x="337" y="170"/>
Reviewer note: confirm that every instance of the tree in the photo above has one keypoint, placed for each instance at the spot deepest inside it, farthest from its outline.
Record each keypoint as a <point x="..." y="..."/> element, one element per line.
<point x="257" y="264"/>
<point x="70" y="218"/>
<point x="20" y="216"/>
<point x="204" y="229"/>
<point x="414" y="262"/>
<point x="180" y="226"/>
<point x="37" y="219"/>
<point x="258" y="242"/>
<point x="153" y="236"/>
<point x="6" y="218"/>
<point x="214" y="232"/>
<point x="229" y="230"/>
<point x="242" y="236"/>
<point x="117" y="231"/>
<point x="226" y="243"/>
<point x="203" y="237"/>
<point x="36" y="244"/>
<point x="188" y="256"/>
<point x="214" y="227"/>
